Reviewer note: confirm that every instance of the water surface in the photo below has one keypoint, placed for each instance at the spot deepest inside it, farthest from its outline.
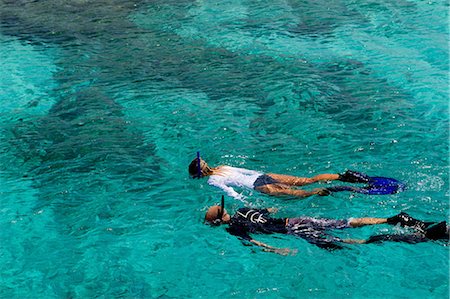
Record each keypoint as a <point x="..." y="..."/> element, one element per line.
<point x="103" y="105"/>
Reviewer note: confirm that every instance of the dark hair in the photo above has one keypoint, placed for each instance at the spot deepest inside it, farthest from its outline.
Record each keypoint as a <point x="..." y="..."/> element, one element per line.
<point x="193" y="167"/>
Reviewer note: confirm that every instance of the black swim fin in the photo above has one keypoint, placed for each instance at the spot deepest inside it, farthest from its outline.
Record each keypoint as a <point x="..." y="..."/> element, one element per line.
<point x="438" y="231"/>
<point x="407" y="221"/>
<point x="354" y="177"/>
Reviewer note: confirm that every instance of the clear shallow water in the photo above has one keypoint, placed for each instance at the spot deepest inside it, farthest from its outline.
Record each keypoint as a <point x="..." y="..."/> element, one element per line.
<point x="104" y="105"/>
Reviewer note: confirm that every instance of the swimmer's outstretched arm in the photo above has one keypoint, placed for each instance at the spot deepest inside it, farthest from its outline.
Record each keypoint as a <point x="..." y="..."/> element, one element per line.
<point x="282" y="251"/>
<point x="229" y="190"/>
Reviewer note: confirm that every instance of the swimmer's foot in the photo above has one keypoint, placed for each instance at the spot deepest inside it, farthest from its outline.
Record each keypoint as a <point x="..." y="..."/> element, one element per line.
<point x="353" y="177"/>
<point x="407" y="221"/>
<point x="438" y="231"/>
<point x="323" y="192"/>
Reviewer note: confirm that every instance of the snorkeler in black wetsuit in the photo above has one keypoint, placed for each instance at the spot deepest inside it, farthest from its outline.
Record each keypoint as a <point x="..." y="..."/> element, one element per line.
<point x="247" y="221"/>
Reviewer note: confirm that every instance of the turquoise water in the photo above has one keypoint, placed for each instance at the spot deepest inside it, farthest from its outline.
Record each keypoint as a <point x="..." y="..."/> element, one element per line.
<point x="103" y="105"/>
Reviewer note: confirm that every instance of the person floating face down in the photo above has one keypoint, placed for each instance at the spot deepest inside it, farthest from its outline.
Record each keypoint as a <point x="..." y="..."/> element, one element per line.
<point x="247" y="221"/>
<point x="227" y="177"/>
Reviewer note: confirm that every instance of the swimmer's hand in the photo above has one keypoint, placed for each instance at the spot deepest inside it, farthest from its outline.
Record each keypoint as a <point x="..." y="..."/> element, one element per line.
<point x="322" y="191"/>
<point x="272" y="210"/>
<point x="268" y="248"/>
<point x="285" y="251"/>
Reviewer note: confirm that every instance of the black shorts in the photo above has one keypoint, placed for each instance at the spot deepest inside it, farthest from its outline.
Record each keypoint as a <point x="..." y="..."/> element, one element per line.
<point x="315" y="230"/>
<point x="264" y="179"/>
<point x="317" y="223"/>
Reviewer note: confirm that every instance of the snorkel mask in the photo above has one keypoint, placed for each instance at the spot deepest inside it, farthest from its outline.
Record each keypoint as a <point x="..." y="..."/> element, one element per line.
<point x="218" y="220"/>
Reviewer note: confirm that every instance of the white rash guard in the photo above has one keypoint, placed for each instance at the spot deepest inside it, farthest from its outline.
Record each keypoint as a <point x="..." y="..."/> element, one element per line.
<point x="233" y="176"/>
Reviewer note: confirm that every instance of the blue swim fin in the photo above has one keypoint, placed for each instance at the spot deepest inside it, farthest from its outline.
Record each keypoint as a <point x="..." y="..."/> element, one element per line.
<point x="374" y="185"/>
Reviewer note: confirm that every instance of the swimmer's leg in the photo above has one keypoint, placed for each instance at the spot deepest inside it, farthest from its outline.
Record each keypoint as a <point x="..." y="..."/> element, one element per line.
<point x="409" y="238"/>
<point x="358" y="222"/>
<point x="403" y="219"/>
<point x="354" y="241"/>
<point x="283" y="190"/>
<point x="439" y="231"/>
<point x="347" y="188"/>
<point x="314" y="236"/>
<point x="301" y="181"/>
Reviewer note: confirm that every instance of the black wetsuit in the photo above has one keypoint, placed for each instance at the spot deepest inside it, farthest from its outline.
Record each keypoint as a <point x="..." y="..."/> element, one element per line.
<point x="247" y="221"/>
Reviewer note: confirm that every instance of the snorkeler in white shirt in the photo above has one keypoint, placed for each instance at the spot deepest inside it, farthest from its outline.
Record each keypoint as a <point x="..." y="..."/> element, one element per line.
<point x="227" y="177"/>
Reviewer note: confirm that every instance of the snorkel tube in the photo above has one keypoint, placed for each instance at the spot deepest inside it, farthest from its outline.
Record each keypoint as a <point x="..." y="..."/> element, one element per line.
<point x="199" y="169"/>
<point x="222" y="203"/>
